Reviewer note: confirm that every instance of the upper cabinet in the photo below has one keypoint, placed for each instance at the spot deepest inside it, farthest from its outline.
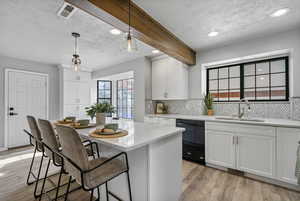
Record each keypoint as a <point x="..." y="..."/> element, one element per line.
<point x="169" y="79"/>
<point x="75" y="90"/>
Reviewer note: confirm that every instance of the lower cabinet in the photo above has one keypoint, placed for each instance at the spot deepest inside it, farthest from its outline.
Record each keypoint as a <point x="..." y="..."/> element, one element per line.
<point x="256" y="154"/>
<point x="287" y="144"/>
<point x="220" y="149"/>
<point x="239" y="147"/>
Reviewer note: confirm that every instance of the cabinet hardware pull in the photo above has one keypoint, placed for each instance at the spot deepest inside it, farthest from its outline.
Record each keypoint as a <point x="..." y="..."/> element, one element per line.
<point x="237" y="139"/>
<point x="233" y="139"/>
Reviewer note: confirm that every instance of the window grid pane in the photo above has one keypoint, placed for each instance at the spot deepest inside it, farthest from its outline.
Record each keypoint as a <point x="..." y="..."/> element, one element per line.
<point x="265" y="80"/>
<point x="125" y="98"/>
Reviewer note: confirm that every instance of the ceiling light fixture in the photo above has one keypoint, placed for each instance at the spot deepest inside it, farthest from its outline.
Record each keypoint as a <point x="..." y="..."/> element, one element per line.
<point x="213" y="34"/>
<point x="131" y="41"/>
<point x="280" y="12"/>
<point x="115" y="32"/>
<point x="75" y="60"/>
<point x="155" y="51"/>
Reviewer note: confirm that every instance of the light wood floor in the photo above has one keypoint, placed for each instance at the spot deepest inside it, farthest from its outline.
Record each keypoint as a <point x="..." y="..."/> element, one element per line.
<point x="199" y="183"/>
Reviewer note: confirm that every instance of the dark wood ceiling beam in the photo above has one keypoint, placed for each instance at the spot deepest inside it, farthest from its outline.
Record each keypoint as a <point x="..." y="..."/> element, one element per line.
<point x="144" y="27"/>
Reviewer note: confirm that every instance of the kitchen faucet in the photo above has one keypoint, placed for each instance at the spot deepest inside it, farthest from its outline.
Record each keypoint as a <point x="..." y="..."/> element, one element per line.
<point x="241" y="111"/>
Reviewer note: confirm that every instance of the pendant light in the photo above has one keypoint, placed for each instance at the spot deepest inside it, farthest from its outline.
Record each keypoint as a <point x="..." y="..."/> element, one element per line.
<point x="131" y="41"/>
<point x="75" y="60"/>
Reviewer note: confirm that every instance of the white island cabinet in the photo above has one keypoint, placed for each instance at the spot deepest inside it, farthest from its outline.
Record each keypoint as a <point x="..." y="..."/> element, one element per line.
<point x="155" y="159"/>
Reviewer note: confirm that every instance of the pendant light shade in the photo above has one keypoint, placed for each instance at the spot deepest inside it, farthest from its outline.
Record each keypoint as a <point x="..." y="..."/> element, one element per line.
<point x="131" y="41"/>
<point x="75" y="59"/>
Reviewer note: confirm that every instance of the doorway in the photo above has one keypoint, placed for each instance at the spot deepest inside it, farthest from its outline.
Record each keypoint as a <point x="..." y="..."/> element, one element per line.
<point x="26" y="93"/>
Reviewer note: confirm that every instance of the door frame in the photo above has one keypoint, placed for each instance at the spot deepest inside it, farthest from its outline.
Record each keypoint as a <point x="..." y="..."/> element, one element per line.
<point x="6" y="91"/>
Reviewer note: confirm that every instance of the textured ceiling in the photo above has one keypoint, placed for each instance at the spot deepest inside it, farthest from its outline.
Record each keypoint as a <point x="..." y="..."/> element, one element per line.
<point x="236" y="20"/>
<point x="30" y="29"/>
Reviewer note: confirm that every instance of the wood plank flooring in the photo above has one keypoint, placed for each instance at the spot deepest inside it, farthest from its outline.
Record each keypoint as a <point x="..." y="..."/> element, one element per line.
<point x="199" y="183"/>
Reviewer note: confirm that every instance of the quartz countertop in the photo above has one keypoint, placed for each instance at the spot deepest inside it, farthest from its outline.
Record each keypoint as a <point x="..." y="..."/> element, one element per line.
<point x="139" y="134"/>
<point x="267" y="122"/>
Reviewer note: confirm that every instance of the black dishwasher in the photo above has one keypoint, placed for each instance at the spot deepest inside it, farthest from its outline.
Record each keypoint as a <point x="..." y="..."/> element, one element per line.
<point x="193" y="140"/>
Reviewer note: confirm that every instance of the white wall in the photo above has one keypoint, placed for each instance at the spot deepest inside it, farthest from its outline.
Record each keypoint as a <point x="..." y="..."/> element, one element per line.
<point x="286" y="40"/>
<point x="142" y="81"/>
<point x="52" y="71"/>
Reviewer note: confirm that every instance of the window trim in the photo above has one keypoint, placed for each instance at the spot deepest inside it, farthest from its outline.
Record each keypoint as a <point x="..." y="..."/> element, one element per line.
<point x="98" y="98"/>
<point x="242" y="89"/>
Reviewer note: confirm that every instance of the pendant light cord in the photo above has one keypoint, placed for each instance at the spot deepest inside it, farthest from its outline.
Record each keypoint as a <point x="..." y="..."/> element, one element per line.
<point x="75" y="45"/>
<point x="129" y="14"/>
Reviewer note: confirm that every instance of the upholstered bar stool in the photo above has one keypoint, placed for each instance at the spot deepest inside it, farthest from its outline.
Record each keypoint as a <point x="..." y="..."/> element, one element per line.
<point x="52" y="147"/>
<point x="90" y="174"/>
<point x="38" y="147"/>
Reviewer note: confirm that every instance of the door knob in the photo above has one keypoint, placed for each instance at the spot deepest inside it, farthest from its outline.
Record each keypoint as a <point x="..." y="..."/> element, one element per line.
<point x="13" y="114"/>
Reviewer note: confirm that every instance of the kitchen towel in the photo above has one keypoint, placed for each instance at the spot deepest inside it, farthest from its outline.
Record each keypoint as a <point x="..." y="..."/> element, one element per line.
<point x="297" y="171"/>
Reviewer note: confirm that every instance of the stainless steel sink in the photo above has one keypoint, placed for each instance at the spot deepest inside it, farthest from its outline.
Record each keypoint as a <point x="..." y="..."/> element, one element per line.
<point x="242" y="119"/>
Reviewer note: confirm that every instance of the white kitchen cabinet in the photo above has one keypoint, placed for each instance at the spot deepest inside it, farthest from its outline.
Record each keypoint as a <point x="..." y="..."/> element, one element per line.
<point x="256" y="154"/>
<point x="243" y="147"/>
<point x="220" y="149"/>
<point x="287" y="143"/>
<point x="169" y="79"/>
<point x="75" y="92"/>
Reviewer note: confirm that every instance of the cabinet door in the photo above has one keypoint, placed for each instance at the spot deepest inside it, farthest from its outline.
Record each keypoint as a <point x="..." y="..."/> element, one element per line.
<point x="71" y="92"/>
<point x="287" y="143"/>
<point x="256" y="154"/>
<point x="159" y="79"/>
<point x="84" y="93"/>
<point x="220" y="149"/>
<point x="177" y="82"/>
<point x="71" y="110"/>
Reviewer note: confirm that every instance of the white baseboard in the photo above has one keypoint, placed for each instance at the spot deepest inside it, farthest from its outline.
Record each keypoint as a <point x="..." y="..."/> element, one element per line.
<point x="3" y="149"/>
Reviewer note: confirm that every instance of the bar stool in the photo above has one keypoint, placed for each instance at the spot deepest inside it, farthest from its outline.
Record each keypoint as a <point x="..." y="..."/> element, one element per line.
<point x="38" y="146"/>
<point x="52" y="146"/>
<point x="90" y="174"/>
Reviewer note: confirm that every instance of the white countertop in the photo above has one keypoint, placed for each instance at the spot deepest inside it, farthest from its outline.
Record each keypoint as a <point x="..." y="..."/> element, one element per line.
<point x="139" y="134"/>
<point x="267" y="122"/>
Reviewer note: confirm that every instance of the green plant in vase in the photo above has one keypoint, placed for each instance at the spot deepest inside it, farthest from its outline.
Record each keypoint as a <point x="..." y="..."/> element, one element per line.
<point x="99" y="110"/>
<point x="208" y="101"/>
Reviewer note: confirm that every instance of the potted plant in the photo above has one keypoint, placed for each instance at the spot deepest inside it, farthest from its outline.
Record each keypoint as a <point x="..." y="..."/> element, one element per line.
<point x="208" y="101"/>
<point x="99" y="110"/>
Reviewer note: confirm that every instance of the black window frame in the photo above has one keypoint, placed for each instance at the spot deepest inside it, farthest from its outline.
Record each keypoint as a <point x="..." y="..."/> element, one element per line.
<point x="98" y="95"/>
<point x="242" y="76"/>
<point x="132" y="98"/>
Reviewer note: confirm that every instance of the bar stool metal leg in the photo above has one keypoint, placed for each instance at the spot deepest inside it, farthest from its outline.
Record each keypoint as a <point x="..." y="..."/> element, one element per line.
<point x="38" y="177"/>
<point x="30" y="169"/>
<point x="44" y="181"/>
<point x="68" y="188"/>
<point x="107" y="192"/>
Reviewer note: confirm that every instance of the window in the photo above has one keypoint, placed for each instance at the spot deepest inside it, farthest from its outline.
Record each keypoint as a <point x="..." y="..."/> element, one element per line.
<point x="265" y="80"/>
<point x="125" y="98"/>
<point x="104" y="94"/>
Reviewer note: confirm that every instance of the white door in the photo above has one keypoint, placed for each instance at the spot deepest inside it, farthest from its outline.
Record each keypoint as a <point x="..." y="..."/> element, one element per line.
<point x="256" y="154"/>
<point x="220" y="149"/>
<point x="26" y="95"/>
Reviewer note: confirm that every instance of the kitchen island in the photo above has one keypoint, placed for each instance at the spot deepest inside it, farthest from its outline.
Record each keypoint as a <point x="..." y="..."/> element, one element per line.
<point x="155" y="159"/>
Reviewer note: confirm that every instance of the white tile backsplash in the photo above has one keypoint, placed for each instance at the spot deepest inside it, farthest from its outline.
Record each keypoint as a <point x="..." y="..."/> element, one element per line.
<point x="281" y="110"/>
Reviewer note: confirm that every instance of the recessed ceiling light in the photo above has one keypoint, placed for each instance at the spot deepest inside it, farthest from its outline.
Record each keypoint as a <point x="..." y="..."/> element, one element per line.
<point x="155" y="51"/>
<point x="115" y="32"/>
<point x="213" y="33"/>
<point x="280" y="12"/>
